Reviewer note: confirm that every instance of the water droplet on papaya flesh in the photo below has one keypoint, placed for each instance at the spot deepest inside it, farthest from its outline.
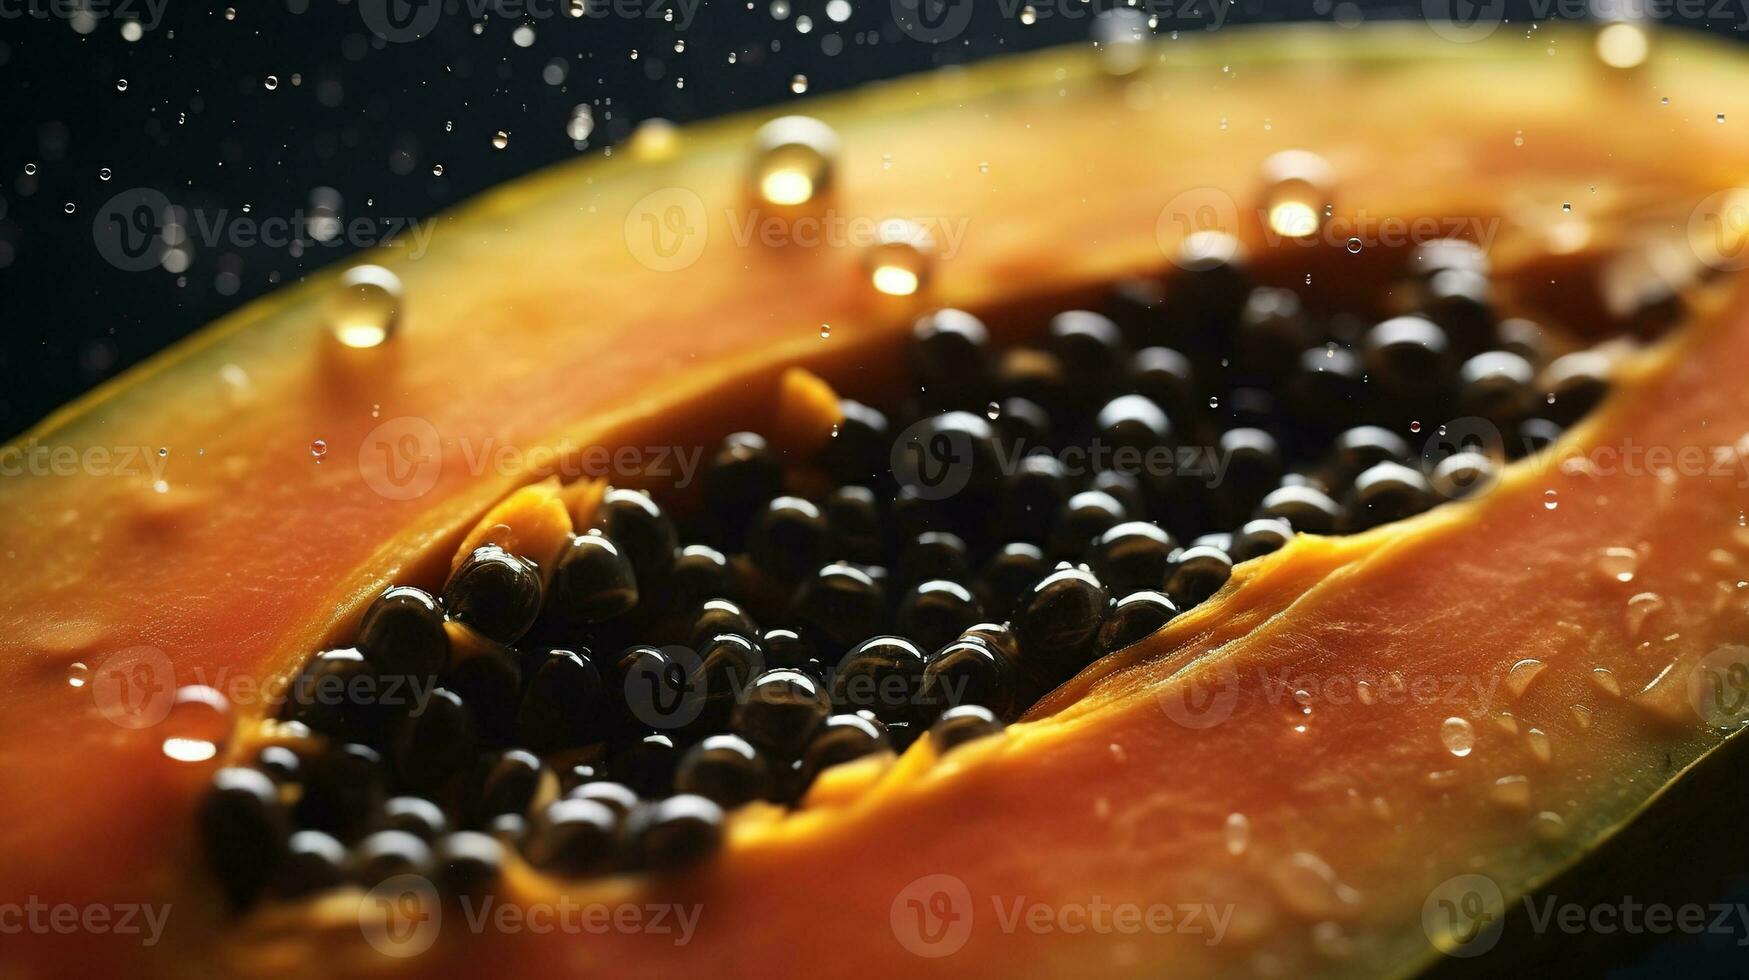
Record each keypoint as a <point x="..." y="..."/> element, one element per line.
<point x="366" y="308"/>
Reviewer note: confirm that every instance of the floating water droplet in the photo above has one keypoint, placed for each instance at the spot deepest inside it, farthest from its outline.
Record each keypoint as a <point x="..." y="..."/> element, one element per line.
<point x="1457" y="736"/>
<point x="121" y="85"/>
<point x="798" y="84"/>
<point x="581" y="123"/>
<point x="78" y="674"/>
<point x="1721" y="118"/>
<point x="1214" y="402"/>
<point x="1415" y="426"/>
<point x="993" y="411"/>
<point x="271" y="82"/>
<point x="198" y="725"/>
<point x="70" y="207"/>
<point x="1237" y="833"/>
<point x="1120" y="36"/>
<point x="1029" y="15"/>
<point x="523" y="36"/>
<point x="105" y="174"/>
<point x="1551" y="500"/>
<point x="1354" y="246"/>
<point x="1567" y="206"/>
<point x="1295" y="182"/>
<point x="500" y="140"/>
<point x="1511" y="791"/>
<point x="366" y="310"/>
<point x="30" y="170"/>
<point x="1539" y="744"/>
<point x="825" y="331"/>
<point x="437" y="170"/>
<point x="1618" y="564"/>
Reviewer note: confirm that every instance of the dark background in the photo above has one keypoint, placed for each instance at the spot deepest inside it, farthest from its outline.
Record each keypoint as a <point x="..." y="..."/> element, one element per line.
<point x="369" y="119"/>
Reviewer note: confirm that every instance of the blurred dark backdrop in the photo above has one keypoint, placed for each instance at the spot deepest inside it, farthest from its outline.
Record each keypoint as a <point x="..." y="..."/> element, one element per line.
<point x="295" y="109"/>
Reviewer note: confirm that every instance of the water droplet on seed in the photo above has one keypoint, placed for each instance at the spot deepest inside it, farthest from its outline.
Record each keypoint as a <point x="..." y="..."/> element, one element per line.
<point x="1457" y="735"/>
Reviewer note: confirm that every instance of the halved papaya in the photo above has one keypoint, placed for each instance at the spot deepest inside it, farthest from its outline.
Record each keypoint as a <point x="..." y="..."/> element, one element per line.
<point x="1349" y="761"/>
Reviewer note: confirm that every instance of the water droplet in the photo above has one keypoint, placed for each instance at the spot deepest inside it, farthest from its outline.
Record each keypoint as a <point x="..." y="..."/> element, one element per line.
<point x="1511" y="791"/>
<point x="1539" y="744"/>
<point x="121" y="85"/>
<point x="77" y="674"/>
<point x="1237" y="833"/>
<point x="1029" y="15"/>
<point x="1363" y="692"/>
<point x="1354" y="246"/>
<point x="993" y="411"/>
<point x="825" y="331"/>
<point x="1309" y="887"/>
<point x="70" y="207"/>
<point x="1582" y="717"/>
<point x="437" y="170"/>
<point x="1120" y="37"/>
<point x="30" y="169"/>
<point x="500" y="140"/>
<point x="1642" y="607"/>
<point x="1214" y="402"/>
<point x="1721" y="118"/>
<point x="1331" y="942"/>
<point x="794" y="160"/>
<point x="1415" y="426"/>
<point x="1550" y="825"/>
<point x="581" y="123"/>
<point x="1506" y="722"/>
<point x="1618" y="564"/>
<point x="198" y="725"/>
<point x="105" y="174"/>
<point x="1568" y="206"/>
<point x="1520" y="674"/>
<point x="900" y="262"/>
<point x="271" y="82"/>
<point x="798" y="84"/>
<point x="1664" y="101"/>
<point x="1551" y="500"/>
<point x="366" y="309"/>
<point x="1457" y="735"/>
<point x="1604" y="678"/>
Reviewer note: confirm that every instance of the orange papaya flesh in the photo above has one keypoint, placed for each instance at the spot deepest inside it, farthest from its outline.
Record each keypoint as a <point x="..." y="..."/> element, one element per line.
<point x="246" y="550"/>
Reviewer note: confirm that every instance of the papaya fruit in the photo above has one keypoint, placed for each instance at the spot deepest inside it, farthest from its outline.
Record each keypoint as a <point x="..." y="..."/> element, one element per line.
<point x="1349" y="759"/>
